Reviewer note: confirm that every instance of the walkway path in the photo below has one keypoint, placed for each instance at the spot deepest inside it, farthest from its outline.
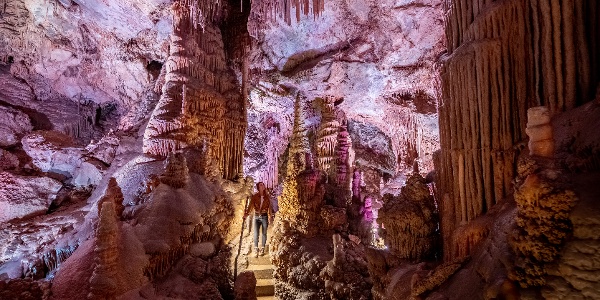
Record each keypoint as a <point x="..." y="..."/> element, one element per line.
<point x="263" y="270"/>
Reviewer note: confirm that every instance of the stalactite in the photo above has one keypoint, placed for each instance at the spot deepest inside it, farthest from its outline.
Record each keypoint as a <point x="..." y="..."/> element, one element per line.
<point x="54" y="258"/>
<point x="504" y="57"/>
<point x="270" y="175"/>
<point x="265" y="11"/>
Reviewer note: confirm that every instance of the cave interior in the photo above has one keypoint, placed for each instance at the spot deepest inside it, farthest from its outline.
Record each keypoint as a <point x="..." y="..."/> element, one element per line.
<point x="409" y="149"/>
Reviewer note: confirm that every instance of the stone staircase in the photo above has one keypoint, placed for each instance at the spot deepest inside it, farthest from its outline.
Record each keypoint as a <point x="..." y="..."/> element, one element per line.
<point x="263" y="270"/>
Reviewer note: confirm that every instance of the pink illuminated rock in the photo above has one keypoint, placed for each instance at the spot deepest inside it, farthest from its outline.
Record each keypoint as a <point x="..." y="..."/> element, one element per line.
<point x="13" y="125"/>
<point x="8" y="161"/>
<point x="105" y="149"/>
<point x="22" y="196"/>
<point x="380" y="71"/>
<point x="76" y="270"/>
<point x="53" y="152"/>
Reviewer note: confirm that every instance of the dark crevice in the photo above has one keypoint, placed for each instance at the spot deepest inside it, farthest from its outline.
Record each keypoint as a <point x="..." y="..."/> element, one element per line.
<point x="310" y="58"/>
<point x="39" y="121"/>
<point x="154" y="68"/>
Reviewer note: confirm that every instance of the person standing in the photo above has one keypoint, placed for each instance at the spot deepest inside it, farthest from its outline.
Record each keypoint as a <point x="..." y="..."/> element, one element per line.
<point x="263" y="213"/>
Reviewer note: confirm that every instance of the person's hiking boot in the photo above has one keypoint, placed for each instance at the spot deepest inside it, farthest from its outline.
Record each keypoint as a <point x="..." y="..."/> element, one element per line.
<point x="256" y="252"/>
<point x="261" y="251"/>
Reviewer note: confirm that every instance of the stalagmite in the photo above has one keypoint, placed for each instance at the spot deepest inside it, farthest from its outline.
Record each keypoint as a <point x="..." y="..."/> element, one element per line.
<point x="327" y="135"/>
<point x="104" y="282"/>
<point x="113" y="194"/>
<point x="539" y="130"/>
<point x="410" y="221"/>
<point x="543" y="222"/>
<point x="176" y="171"/>
<point x="342" y="156"/>
<point x="289" y="202"/>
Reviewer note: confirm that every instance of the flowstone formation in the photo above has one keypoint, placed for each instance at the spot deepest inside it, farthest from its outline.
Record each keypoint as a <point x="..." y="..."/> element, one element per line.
<point x="409" y="221"/>
<point x="484" y="102"/>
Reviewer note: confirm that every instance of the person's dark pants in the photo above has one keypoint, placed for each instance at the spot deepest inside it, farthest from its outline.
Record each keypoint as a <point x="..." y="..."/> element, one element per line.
<point x="260" y="221"/>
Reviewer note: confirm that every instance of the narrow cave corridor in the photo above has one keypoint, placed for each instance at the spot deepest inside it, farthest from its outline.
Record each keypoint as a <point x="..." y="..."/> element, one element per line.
<point x="391" y="149"/>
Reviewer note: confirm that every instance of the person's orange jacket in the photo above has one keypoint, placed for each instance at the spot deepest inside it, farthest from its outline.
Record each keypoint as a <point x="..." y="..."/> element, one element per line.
<point x="255" y="204"/>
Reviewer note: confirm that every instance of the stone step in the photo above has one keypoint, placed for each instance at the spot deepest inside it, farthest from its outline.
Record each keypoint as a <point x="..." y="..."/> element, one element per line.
<point x="265" y="298"/>
<point x="265" y="287"/>
<point x="261" y="271"/>
<point x="261" y="260"/>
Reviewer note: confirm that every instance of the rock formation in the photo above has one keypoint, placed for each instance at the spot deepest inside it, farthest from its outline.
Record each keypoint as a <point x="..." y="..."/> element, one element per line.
<point x="434" y="278"/>
<point x="327" y="136"/>
<point x="244" y="286"/>
<point x="200" y="100"/>
<point x="26" y="289"/>
<point x="334" y="218"/>
<point x="544" y="203"/>
<point x="54" y="152"/>
<point x="294" y="271"/>
<point x="8" y="161"/>
<point x="131" y="133"/>
<point x="410" y="221"/>
<point x="502" y="59"/>
<point x="22" y="196"/>
<point x="104" y="282"/>
<point x="115" y="195"/>
<point x="568" y="177"/>
<point x="343" y="159"/>
<point x="289" y="202"/>
<point x="539" y="131"/>
<point x="346" y="274"/>
<point x="298" y="262"/>
<point x="105" y="149"/>
<point x="311" y="192"/>
<point x="176" y="171"/>
<point x="13" y="125"/>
